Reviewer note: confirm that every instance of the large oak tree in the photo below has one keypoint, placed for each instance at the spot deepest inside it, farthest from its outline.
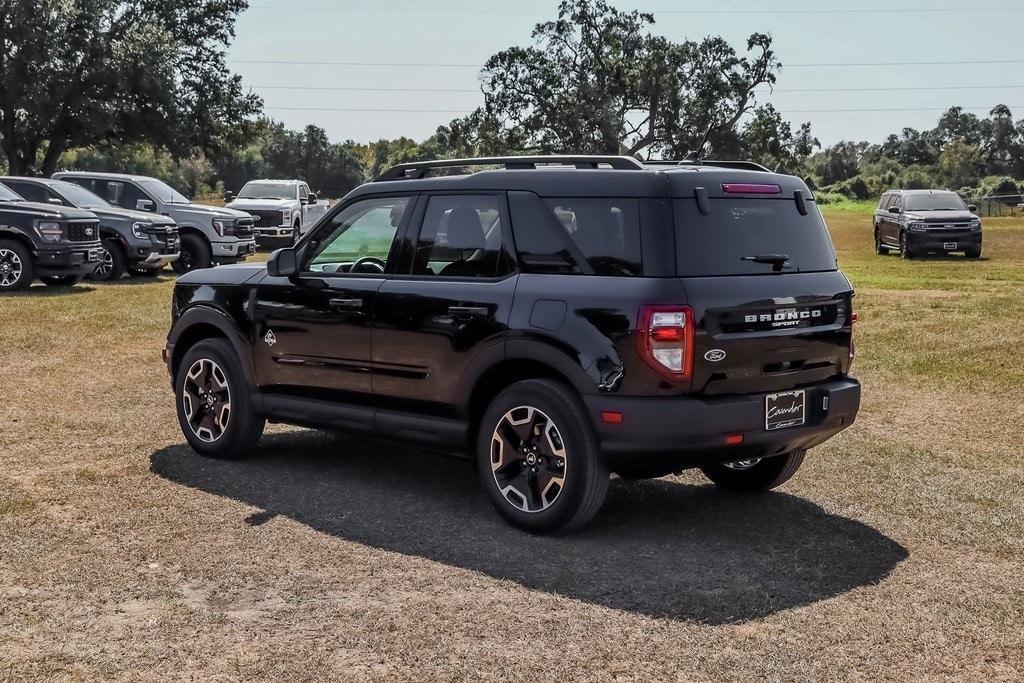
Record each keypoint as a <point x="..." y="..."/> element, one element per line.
<point x="86" y="72"/>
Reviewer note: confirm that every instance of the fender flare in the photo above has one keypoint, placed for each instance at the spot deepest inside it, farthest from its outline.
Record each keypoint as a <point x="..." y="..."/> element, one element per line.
<point x="209" y="316"/>
<point x="19" y="236"/>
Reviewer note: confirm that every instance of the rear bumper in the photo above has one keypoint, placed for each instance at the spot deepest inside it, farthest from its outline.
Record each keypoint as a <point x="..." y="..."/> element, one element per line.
<point x="79" y="259"/>
<point x="687" y="432"/>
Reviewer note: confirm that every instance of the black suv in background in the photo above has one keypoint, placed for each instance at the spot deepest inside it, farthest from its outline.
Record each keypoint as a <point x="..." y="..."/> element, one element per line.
<point x="559" y="318"/>
<point x="918" y="222"/>
<point x="57" y="244"/>
<point x="136" y="241"/>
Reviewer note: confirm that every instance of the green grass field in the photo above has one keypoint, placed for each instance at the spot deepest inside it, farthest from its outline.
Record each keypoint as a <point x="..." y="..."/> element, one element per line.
<point x="894" y="554"/>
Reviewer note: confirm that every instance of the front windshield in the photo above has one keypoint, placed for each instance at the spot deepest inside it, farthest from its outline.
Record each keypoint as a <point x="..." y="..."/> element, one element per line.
<point x="164" y="192"/>
<point x="935" y="201"/>
<point x="8" y="195"/>
<point x="267" y="191"/>
<point x="79" y="196"/>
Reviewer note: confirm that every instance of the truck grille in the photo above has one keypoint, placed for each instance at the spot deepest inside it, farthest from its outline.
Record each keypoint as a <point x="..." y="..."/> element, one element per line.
<point x="243" y="227"/>
<point x="164" y="234"/>
<point x="268" y="218"/>
<point x="83" y="231"/>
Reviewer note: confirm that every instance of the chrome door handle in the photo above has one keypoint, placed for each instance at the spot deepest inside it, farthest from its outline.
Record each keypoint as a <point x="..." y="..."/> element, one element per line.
<point x="468" y="311"/>
<point x="346" y="303"/>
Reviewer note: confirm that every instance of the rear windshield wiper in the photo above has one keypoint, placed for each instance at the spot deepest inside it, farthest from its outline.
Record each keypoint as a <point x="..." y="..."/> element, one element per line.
<point x="777" y="261"/>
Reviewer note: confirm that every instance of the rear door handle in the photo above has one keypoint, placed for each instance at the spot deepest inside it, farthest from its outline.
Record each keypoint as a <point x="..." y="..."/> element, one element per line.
<point x="346" y="303"/>
<point x="468" y="311"/>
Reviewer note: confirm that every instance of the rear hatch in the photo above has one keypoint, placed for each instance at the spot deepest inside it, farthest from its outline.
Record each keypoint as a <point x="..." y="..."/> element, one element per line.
<point x="773" y="311"/>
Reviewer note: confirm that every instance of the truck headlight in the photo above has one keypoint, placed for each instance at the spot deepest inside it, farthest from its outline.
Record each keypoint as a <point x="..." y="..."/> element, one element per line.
<point x="140" y="230"/>
<point x="975" y="224"/>
<point x="50" y="231"/>
<point x="286" y="216"/>
<point x="224" y="227"/>
<point x="917" y="226"/>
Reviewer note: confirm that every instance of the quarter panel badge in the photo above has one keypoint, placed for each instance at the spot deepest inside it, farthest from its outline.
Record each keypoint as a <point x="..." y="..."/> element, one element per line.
<point x="714" y="355"/>
<point x="269" y="338"/>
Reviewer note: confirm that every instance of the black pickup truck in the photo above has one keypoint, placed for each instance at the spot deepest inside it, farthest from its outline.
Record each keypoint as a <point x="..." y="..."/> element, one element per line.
<point x="57" y="244"/>
<point x="559" y="318"/>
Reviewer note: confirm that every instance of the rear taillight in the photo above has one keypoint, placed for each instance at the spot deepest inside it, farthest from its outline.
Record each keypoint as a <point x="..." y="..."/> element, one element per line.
<point x="664" y="339"/>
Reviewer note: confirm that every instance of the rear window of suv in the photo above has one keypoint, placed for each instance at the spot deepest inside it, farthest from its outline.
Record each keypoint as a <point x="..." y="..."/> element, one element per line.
<point x="736" y="229"/>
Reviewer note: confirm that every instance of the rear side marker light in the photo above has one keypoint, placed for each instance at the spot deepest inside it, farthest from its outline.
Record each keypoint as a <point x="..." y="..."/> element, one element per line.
<point x="733" y="439"/>
<point x="612" y="417"/>
<point x="750" y="188"/>
<point x="664" y="339"/>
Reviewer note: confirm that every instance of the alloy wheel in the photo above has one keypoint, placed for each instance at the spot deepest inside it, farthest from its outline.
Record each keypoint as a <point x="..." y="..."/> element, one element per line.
<point x="11" y="267"/>
<point x="106" y="264"/>
<point x="206" y="400"/>
<point x="528" y="459"/>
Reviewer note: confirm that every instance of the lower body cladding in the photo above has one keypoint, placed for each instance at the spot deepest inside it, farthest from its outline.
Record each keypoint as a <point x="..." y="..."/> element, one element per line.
<point x="944" y="242"/>
<point x="239" y="250"/>
<point x="671" y="434"/>
<point x="80" y="260"/>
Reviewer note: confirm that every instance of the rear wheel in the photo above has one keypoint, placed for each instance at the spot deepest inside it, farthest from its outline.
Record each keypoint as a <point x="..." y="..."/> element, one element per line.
<point x="214" y="405"/>
<point x="973" y="253"/>
<point x="538" y="458"/>
<point x="16" y="270"/>
<point x="112" y="263"/>
<point x="758" y="474"/>
<point x="879" y="247"/>
<point x="195" y="254"/>
<point x="61" y="280"/>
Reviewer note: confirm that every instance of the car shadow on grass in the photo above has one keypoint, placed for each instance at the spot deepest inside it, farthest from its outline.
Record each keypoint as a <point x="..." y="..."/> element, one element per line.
<point x="49" y="291"/>
<point x="657" y="547"/>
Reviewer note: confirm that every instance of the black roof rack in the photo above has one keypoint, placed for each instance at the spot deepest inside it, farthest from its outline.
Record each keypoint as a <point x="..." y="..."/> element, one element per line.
<point x="742" y="165"/>
<point x="418" y="169"/>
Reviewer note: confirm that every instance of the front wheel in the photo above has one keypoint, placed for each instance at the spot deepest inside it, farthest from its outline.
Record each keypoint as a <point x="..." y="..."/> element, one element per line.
<point x="195" y="254"/>
<point x="15" y="266"/>
<point x="214" y="405"/>
<point x="113" y="262"/>
<point x="973" y="253"/>
<point x="538" y="459"/>
<point x="756" y="474"/>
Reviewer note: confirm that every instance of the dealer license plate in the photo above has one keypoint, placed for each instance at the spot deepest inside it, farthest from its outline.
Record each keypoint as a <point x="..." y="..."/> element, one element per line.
<point x="785" y="409"/>
<point x="949" y="246"/>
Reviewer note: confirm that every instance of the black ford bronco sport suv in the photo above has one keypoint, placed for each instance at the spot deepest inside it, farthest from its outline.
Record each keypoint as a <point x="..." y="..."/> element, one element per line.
<point x="560" y="318"/>
<point x="57" y="244"/>
<point x="919" y="222"/>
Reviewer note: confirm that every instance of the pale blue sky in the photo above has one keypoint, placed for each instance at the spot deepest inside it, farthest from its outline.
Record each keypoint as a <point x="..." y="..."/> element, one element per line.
<point x="806" y="32"/>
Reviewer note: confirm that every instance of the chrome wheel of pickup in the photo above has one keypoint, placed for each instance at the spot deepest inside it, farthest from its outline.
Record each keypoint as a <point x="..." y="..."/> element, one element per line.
<point x="11" y="267"/>
<point x="206" y="400"/>
<point x="528" y="459"/>
<point x="106" y="264"/>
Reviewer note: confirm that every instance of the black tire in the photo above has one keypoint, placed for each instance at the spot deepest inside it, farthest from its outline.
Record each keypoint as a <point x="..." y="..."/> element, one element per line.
<point x="906" y="251"/>
<point x="16" y="269"/>
<point x="113" y="262"/>
<point x="295" y="232"/>
<point x="61" y="280"/>
<point x="195" y="254"/>
<point x="545" y="505"/>
<point x="765" y="475"/>
<point x="198" y="413"/>
<point x="973" y="253"/>
<point x="880" y="249"/>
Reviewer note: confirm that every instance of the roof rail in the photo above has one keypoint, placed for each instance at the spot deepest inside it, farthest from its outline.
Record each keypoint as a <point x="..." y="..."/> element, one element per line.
<point x="418" y="169"/>
<point x="741" y="165"/>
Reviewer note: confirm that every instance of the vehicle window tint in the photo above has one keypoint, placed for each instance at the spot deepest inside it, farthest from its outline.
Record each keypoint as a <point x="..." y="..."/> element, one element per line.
<point x="542" y="244"/>
<point x="606" y="231"/>
<point x="884" y="202"/>
<point x="363" y="231"/>
<point x="303" y="192"/>
<point x="125" y="195"/>
<point x="723" y="241"/>
<point x="461" y="236"/>
<point x="30" y="191"/>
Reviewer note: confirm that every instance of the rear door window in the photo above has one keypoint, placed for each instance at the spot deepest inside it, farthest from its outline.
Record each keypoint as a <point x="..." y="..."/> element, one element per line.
<point x="735" y="230"/>
<point x="606" y="231"/>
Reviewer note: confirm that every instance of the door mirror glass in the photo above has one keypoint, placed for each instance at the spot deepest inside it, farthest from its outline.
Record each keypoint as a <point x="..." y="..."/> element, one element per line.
<point x="282" y="263"/>
<point x="229" y="197"/>
<point x="894" y="209"/>
<point x="144" y="205"/>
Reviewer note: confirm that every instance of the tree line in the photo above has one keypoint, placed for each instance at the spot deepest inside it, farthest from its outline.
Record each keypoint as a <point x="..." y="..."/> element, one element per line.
<point x="141" y="86"/>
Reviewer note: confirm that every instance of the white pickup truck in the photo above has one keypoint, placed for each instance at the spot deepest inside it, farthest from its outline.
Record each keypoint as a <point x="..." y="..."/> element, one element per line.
<point x="282" y="209"/>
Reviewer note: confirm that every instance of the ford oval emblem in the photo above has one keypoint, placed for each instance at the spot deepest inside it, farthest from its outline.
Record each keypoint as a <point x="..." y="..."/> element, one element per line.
<point x="714" y="355"/>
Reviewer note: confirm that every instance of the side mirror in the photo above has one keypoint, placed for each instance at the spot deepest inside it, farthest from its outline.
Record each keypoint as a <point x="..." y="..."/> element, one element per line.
<point x="311" y="199"/>
<point x="894" y="209"/>
<point x="229" y="196"/>
<point x="144" y="205"/>
<point x="972" y="208"/>
<point x="283" y="263"/>
<point x="54" y="200"/>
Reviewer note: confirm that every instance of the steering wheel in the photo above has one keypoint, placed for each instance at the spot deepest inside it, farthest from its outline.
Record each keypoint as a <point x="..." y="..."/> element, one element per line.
<point x="372" y="260"/>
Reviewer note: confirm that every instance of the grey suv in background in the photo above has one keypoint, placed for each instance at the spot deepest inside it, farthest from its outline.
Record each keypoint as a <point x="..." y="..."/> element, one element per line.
<point x="135" y="241"/>
<point x="209" y="235"/>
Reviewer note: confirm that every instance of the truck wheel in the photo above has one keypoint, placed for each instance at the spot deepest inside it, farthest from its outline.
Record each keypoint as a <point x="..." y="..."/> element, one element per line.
<point x="61" y="280"/>
<point x="16" y="270"/>
<point x="112" y="264"/>
<point x="295" y="232"/>
<point x="973" y="253"/>
<point x="755" y="475"/>
<point x="905" y="251"/>
<point x="195" y="254"/>
<point x="880" y="249"/>
<point x="538" y="460"/>
<point x="214" y="405"/>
